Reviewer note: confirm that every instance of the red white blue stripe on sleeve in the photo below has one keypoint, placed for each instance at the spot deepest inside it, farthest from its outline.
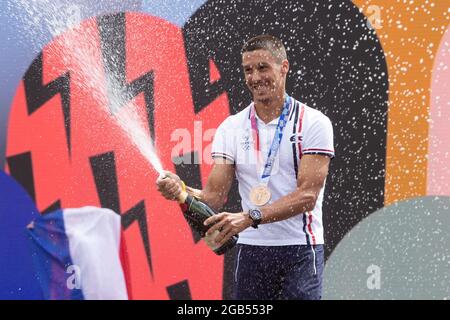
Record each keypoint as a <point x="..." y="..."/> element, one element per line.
<point x="222" y="155"/>
<point x="326" y="152"/>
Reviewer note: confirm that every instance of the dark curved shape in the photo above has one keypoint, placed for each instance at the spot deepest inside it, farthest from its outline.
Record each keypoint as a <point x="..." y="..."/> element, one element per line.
<point x="337" y="66"/>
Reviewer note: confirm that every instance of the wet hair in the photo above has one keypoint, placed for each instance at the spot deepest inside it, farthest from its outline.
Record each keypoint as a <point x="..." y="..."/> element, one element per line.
<point x="266" y="42"/>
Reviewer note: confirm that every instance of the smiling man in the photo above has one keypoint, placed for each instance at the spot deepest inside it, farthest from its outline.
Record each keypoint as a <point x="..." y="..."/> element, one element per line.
<point x="279" y="149"/>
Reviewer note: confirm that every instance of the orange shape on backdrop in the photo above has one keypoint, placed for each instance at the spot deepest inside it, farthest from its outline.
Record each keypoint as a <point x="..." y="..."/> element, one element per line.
<point x="410" y="39"/>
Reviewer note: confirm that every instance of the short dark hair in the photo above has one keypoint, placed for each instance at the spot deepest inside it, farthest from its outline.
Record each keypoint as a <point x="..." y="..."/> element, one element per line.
<point x="266" y="42"/>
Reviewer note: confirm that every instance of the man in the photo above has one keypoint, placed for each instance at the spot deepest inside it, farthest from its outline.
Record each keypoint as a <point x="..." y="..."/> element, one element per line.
<point x="279" y="149"/>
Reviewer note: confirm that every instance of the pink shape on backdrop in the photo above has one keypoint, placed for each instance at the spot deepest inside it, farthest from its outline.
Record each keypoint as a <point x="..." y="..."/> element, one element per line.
<point x="438" y="178"/>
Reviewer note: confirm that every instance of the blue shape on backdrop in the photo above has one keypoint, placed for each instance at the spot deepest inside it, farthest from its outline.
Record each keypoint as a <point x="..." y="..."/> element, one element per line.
<point x="175" y="11"/>
<point x="17" y="275"/>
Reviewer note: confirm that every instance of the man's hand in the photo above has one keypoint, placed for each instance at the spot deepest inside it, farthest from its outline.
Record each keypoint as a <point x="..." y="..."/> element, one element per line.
<point x="170" y="186"/>
<point x="228" y="224"/>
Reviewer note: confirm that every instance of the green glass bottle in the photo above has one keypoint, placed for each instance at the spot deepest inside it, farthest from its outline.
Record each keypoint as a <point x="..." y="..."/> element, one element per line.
<point x="196" y="212"/>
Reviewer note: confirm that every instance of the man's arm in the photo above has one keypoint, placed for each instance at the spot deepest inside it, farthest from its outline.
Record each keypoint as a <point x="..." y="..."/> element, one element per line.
<point x="219" y="183"/>
<point x="310" y="180"/>
<point x="216" y="190"/>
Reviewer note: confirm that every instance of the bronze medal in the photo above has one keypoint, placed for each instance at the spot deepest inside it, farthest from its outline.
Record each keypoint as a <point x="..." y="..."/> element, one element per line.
<point x="260" y="195"/>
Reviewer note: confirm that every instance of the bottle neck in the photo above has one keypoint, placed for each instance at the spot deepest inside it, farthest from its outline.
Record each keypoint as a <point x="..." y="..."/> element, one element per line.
<point x="182" y="197"/>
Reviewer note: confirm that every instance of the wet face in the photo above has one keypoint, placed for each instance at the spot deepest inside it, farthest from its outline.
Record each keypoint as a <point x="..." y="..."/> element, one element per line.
<point x="265" y="76"/>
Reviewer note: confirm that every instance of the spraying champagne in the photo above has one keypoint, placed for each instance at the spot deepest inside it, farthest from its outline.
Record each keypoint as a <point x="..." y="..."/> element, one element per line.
<point x="196" y="212"/>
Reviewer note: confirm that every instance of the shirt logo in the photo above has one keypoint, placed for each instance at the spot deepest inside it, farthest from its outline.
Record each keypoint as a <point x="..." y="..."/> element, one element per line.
<point x="245" y="142"/>
<point x="296" y="138"/>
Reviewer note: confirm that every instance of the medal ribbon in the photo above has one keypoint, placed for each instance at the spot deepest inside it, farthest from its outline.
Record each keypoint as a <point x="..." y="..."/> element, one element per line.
<point x="265" y="176"/>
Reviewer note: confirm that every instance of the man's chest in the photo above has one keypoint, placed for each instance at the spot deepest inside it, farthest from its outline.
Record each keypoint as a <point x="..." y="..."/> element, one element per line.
<point x="252" y="150"/>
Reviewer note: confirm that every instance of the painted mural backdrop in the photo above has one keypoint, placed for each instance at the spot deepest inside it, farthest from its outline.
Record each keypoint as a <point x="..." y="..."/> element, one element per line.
<point x="378" y="69"/>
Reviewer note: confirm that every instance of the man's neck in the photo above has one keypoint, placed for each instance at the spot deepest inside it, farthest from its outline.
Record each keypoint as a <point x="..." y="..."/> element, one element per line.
<point x="271" y="109"/>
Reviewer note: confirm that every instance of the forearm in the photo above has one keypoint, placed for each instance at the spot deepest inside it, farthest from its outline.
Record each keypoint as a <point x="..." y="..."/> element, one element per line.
<point x="214" y="199"/>
<point x="197" y="193"/>
<point x="294" y="203"/>
<point x="218" y="185"/>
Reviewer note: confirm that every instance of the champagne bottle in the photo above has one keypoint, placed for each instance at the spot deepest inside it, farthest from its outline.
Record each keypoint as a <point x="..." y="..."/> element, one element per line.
<point x="196" y="212"/>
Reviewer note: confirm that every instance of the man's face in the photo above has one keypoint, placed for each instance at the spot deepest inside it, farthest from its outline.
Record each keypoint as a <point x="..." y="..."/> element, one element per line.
<point x="264" y="75"/>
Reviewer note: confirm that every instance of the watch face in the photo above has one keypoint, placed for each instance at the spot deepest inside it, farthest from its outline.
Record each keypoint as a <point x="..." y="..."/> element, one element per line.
<point x="255" y="215"/>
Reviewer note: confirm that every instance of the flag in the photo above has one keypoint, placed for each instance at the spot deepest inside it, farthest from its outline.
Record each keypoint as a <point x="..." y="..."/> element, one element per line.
<point x="76" y="254"/>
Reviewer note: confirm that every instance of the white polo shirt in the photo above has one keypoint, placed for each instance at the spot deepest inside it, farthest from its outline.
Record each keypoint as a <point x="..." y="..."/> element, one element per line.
<point x="308" y="131"/>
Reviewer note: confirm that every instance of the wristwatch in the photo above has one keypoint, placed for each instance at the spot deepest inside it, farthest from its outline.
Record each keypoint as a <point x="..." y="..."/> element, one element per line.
<point x="256" y="216"/>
